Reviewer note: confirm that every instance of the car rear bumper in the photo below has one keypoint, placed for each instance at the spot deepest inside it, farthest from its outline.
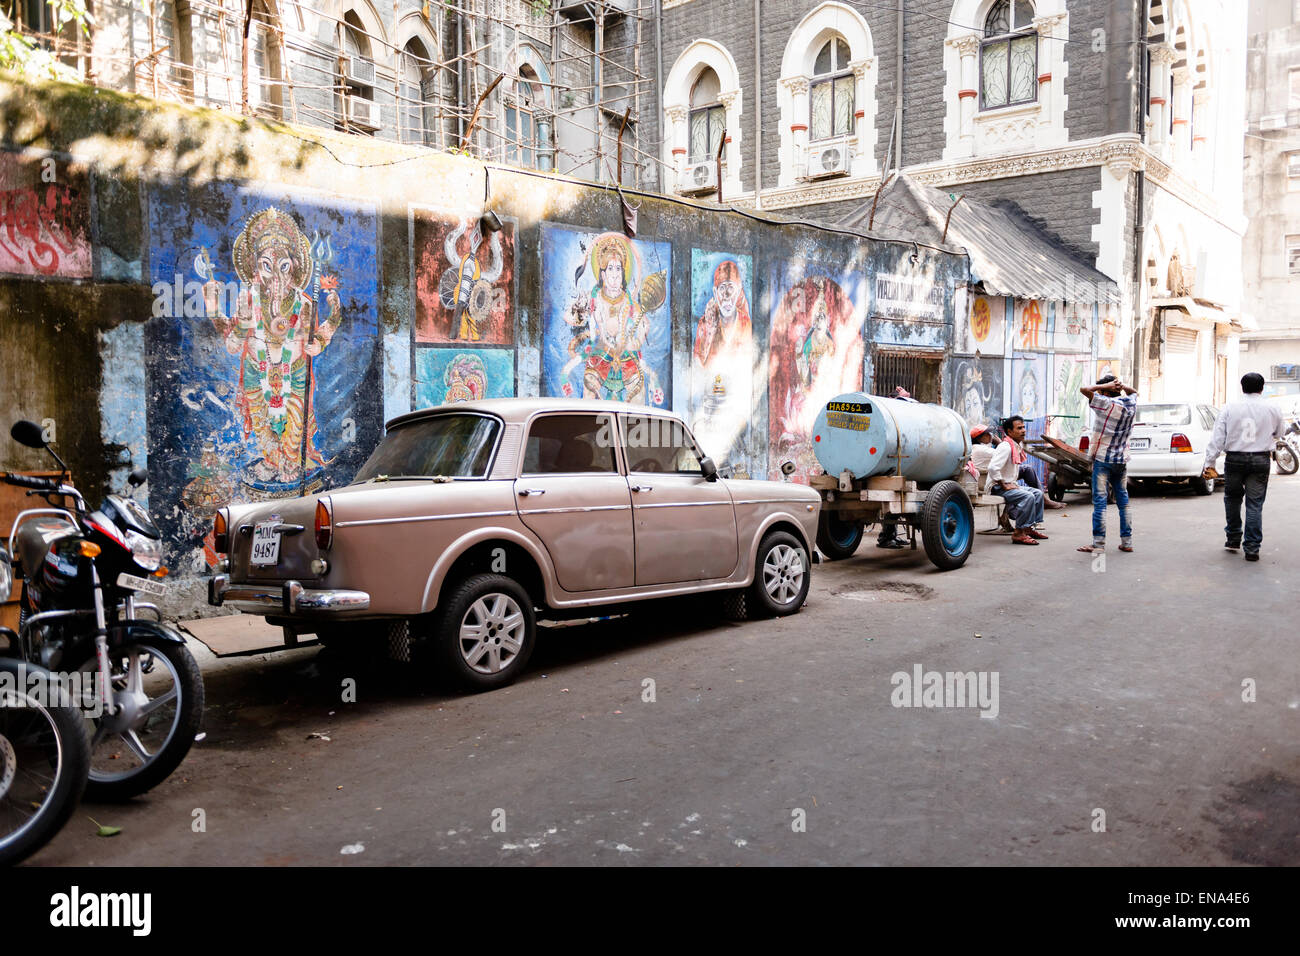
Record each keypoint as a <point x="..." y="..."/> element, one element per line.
<point x="1165" y="464"/>
<point x="288" y="597"/>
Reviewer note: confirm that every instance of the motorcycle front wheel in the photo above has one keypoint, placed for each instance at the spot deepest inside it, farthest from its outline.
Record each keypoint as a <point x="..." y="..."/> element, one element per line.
<point x="158" y="692"/>
<point x="44" y="758"/>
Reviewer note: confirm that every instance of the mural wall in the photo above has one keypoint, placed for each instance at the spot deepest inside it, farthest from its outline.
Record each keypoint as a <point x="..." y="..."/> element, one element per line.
<point x="816" y="353"/>
<point x="606" y="316"/>
<point x="464" y="280"/>
<point x="723" y="356"/>
<point x="44" y="218"/>
<point x="443" y="376"/>
<point x="261" y="354"/>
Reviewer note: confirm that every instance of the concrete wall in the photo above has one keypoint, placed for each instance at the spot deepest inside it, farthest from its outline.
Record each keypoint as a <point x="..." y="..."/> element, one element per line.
<point x="190" y="244"/>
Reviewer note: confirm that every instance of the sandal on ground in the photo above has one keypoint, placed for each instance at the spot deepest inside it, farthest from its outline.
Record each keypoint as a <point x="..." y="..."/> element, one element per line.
<point x="1023" y="539"/>
<point x="1091" y="549"/>
<point x="1035" y="533"/>
<point x="1126" y="547"/>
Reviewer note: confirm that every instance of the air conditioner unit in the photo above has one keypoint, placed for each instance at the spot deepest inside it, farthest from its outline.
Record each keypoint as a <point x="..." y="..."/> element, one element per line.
<point x="699" y="178"/>
<point x="360" y="111"/>
<point x="828" y="159"/>
<point x="359" y="70"/>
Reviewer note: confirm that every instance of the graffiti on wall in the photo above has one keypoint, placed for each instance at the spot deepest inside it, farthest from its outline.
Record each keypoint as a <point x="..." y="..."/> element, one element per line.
<point x="982" y="328"/>
<point x="816" y="354"/>
<point x="443" y="376"/>
<point x="977" y="390"/>
<point x="605" y="306"/>
<point x="266" y="384"/>
<point x="1070" y="372"/>
<point x="1029" y="386"/>
<point x="464" y="280"/>
<point x="722" y="352"/>
<point x="1031" y="325"/>
<point x="44" y="218"/>
<point x="1109" y="340"/>
<point x="1072" y="331"/>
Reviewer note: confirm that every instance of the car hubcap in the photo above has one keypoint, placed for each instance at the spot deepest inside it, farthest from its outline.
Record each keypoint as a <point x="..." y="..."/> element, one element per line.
<point x="147" y="698"/>
<point x="492" y="633"/>
<point x="783" y="571"/>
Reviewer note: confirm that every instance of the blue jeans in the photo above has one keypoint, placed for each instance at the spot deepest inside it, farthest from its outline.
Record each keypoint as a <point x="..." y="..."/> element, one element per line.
<point x="1245" y="474"/>
<point x="1024" y="505"/>
<point x="1105" y="476"/>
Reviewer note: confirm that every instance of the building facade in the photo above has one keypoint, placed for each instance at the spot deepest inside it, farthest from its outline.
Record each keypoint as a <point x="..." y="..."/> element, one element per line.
<point x="1115" y="123"/>
<point x="1271" y="255"/>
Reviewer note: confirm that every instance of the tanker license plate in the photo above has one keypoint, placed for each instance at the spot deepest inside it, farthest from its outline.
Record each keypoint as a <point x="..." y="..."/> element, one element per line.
<point x="266" y="543"/>
<point x="156" y="588"/>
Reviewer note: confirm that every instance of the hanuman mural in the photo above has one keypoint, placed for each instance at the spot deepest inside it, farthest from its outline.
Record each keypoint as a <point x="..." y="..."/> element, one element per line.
<point x="611" y="326"/>
<point x="276" y="332"/>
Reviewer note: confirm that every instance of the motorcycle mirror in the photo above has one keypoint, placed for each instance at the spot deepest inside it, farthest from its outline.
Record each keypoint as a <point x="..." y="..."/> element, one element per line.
<point x="28" y="433"/>
<point x="138" y="477"/>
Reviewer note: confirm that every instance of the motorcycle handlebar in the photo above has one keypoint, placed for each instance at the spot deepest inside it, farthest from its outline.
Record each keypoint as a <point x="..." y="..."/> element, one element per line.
<point x="30" y="481"/>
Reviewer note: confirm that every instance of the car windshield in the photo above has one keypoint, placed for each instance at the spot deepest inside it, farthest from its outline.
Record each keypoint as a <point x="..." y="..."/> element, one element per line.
<point x="1164" y="414"/>
<point x="457" y="446"/>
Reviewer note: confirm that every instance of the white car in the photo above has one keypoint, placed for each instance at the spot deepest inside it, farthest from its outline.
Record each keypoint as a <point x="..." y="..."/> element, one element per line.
<point x="1168" y="443"/>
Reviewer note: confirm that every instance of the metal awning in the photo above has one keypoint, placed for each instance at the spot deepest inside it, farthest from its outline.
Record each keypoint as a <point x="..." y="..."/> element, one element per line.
<point x="1010" y="254"/>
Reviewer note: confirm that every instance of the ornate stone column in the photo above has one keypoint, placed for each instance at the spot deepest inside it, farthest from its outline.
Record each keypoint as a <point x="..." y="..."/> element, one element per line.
<point x="1182" y="106"/>
<point x="1200" y="112"/>
<point x="1048" y="48"/>
<point x="1162" y="57"/>
<point x="860" y="68"/>
<point x="798" y="87"/>
<point x="677" y="135"/>
<point x="731" y="155"/>
<point x="968" y="47"/>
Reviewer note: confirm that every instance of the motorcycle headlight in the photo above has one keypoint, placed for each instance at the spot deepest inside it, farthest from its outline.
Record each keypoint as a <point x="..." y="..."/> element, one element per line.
<point x="146" y="551"/>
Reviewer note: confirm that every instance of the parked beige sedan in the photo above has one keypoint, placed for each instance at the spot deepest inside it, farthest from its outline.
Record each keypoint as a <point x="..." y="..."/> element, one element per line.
<point x="470" y="521"/>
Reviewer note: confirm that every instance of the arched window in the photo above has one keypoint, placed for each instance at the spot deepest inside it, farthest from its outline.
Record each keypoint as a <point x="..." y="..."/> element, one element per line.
<point x="1009" y="55"/>
<point x="414" y="63"/>
<point x="266" y="86"/>
<point x="528" y="122"/>
<point x="708" y="117"/>
<point x="357" y="111"/>
<point x="831" y="92"/>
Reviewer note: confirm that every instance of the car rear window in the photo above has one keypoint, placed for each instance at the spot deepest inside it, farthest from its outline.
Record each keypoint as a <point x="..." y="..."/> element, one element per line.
<point x="455" y="446"/>
<point x="1164" y="414"/>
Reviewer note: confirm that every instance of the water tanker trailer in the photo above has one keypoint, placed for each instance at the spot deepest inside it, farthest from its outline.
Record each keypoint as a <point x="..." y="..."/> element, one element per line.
<point x="893" y="462"/>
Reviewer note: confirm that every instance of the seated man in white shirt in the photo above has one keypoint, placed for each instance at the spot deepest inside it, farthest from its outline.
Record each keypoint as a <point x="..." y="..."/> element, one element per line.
<point x="1024" y="504"/>
<point x="1246" y="430"/>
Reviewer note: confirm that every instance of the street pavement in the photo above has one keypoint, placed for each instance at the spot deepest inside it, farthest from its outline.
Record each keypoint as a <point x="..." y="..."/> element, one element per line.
<point x="1121" y="735"/>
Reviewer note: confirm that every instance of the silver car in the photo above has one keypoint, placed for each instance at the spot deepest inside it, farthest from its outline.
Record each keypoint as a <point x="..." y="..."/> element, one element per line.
<point x="470" y="521"/>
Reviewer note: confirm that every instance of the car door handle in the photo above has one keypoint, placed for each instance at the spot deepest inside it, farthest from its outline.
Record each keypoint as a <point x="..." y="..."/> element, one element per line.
<point x="532" y="491"/>
<point x="643" y="487"/>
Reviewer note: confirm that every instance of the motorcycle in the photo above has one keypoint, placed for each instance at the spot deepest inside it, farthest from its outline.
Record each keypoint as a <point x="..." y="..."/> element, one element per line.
<point x="44" y="754"/>
<point x="1286" y="451"/>
<point x="142" y="693"/>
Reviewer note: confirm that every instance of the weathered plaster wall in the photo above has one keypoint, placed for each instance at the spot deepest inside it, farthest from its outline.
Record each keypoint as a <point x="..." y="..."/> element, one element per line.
<point x="212" y="238"/>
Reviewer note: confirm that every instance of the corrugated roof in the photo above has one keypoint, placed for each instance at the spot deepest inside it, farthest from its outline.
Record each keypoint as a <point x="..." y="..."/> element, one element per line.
<point x="1009" y="253"/>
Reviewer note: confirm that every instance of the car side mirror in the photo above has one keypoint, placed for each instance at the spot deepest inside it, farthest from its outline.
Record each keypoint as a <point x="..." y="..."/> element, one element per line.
<point x="709" y="469"/>
<point x="28" y="433"/>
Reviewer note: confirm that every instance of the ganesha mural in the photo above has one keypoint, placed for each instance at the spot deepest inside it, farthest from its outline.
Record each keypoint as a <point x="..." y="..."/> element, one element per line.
<point x="266" y="382"/>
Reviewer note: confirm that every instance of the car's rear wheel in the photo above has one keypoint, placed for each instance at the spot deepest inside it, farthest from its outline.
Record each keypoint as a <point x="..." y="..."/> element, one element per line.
<point x="486" y="632"/>
<point x="1201" y="486"/>
<point x="781" y="576"/>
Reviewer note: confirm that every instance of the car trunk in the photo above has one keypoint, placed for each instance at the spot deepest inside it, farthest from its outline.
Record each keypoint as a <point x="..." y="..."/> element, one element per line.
<point x="1148" y="439"/>
<point x="297" y="549"/>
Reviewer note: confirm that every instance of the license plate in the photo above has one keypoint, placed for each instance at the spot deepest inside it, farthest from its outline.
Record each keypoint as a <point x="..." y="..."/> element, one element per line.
<point x="147" y="585"/>
<point x="266" y="543"/>
<point x="1139" y="443"/>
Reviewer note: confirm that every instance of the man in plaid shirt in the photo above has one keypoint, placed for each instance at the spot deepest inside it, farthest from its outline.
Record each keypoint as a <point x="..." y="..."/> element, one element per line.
<point x="1114" y="409"/>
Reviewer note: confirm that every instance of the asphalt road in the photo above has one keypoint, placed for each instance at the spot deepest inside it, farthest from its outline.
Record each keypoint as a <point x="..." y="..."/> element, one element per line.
<point x="1119" y="701"/>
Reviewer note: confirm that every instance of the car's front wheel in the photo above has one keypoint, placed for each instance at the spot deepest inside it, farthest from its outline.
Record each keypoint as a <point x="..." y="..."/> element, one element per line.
<point x="487" y="631"/>
<point x="781" y="576"/>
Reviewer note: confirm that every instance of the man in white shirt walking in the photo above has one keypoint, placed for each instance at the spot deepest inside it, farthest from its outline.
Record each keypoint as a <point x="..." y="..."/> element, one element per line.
<point x="1246" y="431"/>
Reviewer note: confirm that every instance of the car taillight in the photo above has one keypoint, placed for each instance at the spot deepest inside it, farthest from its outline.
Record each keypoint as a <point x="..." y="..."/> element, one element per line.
<point x="324" y="525"/>
<point x="1083" y="443"/>
<point x="1179" y="443"/>
<point x="220" y="534"/>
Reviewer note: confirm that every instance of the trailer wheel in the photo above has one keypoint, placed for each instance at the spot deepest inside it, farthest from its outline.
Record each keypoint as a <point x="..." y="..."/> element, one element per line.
<point x="836" y="537"/>
<point x="947" y="525"/>
<point x="1055" y="490"/>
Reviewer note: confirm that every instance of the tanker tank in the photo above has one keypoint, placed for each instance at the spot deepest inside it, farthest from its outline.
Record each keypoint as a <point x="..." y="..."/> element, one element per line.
<point x="868" y="435"/>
